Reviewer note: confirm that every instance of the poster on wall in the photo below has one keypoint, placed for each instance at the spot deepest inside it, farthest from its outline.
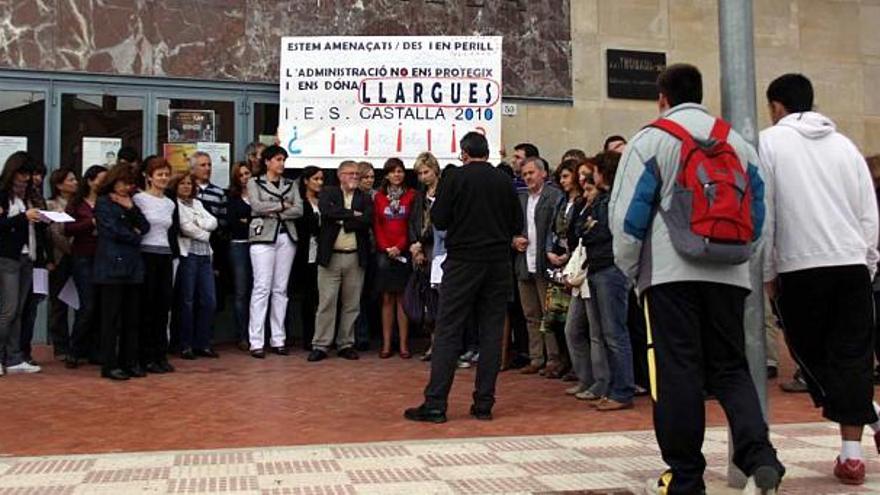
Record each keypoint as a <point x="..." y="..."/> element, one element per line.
<point x="190" y="126"/>
<point x="178" y="155"/>
<point x="11" y="144"/>
<point x="374" y="97"/>
<point x="99" y="151"/>
<point x="220" y="161"/>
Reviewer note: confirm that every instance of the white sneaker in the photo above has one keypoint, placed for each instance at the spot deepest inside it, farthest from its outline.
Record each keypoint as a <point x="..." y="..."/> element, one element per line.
<point x="576" y="389"/>
<point x="23" y="367"/>
<point x="464" y="364"/>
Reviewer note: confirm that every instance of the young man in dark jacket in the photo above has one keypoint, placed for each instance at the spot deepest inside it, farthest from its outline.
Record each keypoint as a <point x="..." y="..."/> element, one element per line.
<point x="477" y="207"/>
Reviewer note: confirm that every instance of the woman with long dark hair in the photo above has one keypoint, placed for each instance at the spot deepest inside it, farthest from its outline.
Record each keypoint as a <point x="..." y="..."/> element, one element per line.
<point x="119" y="272"/>
<point x="63" y="183"/>
<point x="158" y="248"/>
<point x="392" y="209"/>
<point x="17" y="253"/>
<point x="195" y="276"/>
<point x="83" y="243"/>
<point x="305" y="266"/>
<point x="238" y="217"/>
<point x="275" y="204"/>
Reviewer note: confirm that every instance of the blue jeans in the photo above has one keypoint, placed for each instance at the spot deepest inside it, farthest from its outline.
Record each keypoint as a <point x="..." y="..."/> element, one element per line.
<point x="610" y="294"/>
<point x="84" y="337"/>
<point x="243" y="281"/>
<point x="197" y="301"/>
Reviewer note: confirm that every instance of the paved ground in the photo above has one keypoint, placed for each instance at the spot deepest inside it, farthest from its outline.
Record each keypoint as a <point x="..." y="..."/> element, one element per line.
<point x="238" y="401"/>
<point x="232" y="426"/>
<point x="616" y="463"/>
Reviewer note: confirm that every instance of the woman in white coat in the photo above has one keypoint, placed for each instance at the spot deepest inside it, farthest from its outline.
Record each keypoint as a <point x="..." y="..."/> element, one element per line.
<point x="195" y="276"/>
<point x="275" y="204"/>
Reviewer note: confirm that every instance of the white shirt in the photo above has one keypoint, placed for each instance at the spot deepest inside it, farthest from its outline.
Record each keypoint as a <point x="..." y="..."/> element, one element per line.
<point x="821" y="204"/>
<point x="159" y="212"/>
<point x="532" y="249"/>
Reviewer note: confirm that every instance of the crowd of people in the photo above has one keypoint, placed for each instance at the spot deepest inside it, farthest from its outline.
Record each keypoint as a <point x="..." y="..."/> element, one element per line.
<point x="623" y="272"/>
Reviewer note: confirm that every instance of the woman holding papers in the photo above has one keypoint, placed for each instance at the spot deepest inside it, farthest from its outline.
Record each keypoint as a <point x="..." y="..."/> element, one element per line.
<point x="158" y="248"/>
<point x="83" y="243"/>
<point x="17" y="254"/>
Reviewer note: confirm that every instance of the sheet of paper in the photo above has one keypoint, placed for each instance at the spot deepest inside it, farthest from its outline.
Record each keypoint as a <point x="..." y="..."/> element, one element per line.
<point x="69" y="295"/>
<point x="437" y="269"/>
<point x="41" y="281"/>
<point x="55" y="216"/>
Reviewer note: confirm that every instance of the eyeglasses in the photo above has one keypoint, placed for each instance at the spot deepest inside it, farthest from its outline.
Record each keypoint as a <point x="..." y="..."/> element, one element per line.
<point x="355" y="174"/>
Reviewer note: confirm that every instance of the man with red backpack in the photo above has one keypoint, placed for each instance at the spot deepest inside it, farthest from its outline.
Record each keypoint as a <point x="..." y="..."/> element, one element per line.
<point x="686" y="210"/>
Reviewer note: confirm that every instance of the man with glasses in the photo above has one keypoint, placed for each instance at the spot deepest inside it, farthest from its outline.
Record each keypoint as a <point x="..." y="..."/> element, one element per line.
<point x="343" y="252"/>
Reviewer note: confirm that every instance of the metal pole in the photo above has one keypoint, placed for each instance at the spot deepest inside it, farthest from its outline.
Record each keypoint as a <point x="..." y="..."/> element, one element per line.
<point x="738" y="107"/>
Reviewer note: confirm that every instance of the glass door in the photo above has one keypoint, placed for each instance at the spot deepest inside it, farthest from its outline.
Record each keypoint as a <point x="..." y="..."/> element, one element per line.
<point x="95" y="122"/>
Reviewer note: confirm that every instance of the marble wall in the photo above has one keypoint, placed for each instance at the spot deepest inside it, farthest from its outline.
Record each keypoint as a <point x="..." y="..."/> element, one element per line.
<point x="239" y="39"/>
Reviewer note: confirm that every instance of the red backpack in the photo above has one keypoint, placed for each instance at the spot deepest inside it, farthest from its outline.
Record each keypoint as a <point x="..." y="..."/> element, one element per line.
<point x="710" y="215"/>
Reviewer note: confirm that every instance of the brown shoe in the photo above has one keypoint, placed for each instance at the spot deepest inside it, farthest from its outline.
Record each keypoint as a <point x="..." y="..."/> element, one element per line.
<point x="607" y="404"/>
<point x="530" y="369"/>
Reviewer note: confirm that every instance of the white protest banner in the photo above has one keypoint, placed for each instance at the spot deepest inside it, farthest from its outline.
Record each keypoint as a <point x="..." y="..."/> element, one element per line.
<point x="11" y="144"/>
<point x="375" y="97"/>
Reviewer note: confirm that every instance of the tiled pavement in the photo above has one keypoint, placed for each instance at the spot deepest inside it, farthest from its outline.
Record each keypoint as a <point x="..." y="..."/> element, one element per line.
<point x="178" y="422"/>
<point x="616" y="463"/>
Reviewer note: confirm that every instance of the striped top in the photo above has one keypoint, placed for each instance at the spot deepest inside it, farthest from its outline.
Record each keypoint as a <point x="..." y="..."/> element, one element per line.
<point x="213" y="198"/>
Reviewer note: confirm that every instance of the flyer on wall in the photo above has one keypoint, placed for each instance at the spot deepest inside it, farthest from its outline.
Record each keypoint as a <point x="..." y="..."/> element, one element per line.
<point x="220" y="161"/>
<point x="191" y="126"/>
<point x="100" y="151"/>
<point x="374" y="97"/>
<point x="11" y="144"/>
<point x="178" y="155"/>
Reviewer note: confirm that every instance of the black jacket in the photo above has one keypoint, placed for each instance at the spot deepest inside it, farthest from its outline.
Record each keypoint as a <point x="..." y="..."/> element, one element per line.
<point x="307" y="227"/>
<point x="596" y="235"/>
<point x="13" y="230"/>
<point x="477" y="207"/>
<point x="238" y="217"/>
<point x="420" y="228"/>
<point x="118" y="258"/>
<point x="335" y="216"/>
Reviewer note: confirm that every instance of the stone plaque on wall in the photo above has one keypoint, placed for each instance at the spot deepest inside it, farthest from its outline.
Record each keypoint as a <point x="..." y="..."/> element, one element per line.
<point x="633" y="75"/>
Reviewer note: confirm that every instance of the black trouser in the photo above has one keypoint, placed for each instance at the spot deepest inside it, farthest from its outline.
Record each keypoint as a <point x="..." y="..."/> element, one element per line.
<point x="120" y="312"/>
<point x="828" y="321"/>
<point x="157" y="298"/>
<point x="59" y="329"/>
<point x="466" y="288"/>
<point x="635" y="322"/>
<point x="304" y="284"/>
<point x="877" y="328"/>
<point x="696" y="340"/>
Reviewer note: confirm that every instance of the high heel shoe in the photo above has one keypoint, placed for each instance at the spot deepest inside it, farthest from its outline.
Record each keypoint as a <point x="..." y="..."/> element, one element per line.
<point x="384" y="354"/>
<point x="405" y="355"/>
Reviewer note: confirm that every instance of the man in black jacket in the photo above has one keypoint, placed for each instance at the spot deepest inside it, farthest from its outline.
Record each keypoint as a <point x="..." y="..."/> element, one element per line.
<point x="343" y="252"/>
<point x="477" y="207"/>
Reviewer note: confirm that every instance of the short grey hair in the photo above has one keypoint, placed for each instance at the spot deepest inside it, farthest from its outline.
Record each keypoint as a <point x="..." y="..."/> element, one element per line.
<point x="538" y="161"/>
<point x="195" y="156"/>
